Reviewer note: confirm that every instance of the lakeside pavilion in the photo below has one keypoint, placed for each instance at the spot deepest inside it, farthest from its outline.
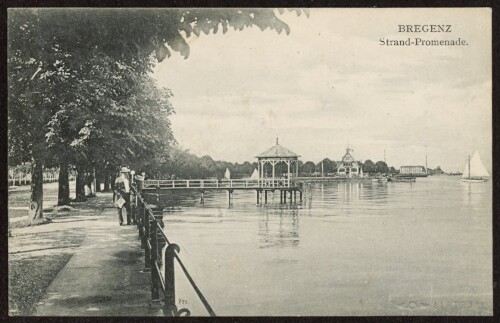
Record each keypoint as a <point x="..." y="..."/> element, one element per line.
<point x="273" y="157"/>
<point x="348" y="166"/>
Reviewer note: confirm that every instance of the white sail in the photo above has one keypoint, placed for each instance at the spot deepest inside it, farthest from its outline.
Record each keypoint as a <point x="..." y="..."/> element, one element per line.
<point x="476" y="167"/>
<point x="255" y="174"/>
<point x="465" y="173"/>
<point x="227" y="174"/>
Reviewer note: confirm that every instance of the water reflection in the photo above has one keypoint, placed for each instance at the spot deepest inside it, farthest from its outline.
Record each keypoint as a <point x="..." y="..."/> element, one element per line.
<point x="279" y="227"/>
<point x="347" y="198"/>
<point x="359" y="241"/>
<point x="358" y="199"/>
<point x="475" y="194"/>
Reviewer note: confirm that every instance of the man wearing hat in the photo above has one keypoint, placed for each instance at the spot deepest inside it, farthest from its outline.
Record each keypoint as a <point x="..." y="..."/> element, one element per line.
<point x="122" y="189"/>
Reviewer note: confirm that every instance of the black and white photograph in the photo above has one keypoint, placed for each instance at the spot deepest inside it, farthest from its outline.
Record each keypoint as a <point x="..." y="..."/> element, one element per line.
<point x="249" y="162"/>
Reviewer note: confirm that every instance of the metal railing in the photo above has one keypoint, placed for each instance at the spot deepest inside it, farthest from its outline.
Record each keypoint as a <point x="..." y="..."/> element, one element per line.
<point x="216" y="184"/>
<point x="154" y="241"/>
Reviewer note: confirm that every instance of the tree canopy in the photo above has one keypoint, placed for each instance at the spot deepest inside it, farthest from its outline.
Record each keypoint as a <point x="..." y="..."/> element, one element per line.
<point x="381" y="167"/>
<point x="80" y="89"/>
<point x="308" y="167"/>
<point x="329" y="166"/>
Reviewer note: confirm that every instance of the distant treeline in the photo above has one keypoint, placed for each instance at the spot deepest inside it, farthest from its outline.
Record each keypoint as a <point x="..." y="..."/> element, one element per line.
<point x="183" y="164"/>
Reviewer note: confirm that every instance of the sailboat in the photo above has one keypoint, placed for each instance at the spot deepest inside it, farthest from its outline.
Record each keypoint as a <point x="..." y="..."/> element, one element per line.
<point x="474" y="171"/>
<point x="255" y="174"/>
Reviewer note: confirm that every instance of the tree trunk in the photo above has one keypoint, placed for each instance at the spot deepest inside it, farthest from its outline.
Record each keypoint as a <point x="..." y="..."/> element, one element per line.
<point x="107" y="182"/>
<point x="112" y="181"/>
<point x="98" y="175"/>
<point x="89" y="182"/>
<point x="80" y="185"/>
<point x="63" y="194"/>
<point x="36" y="203"/>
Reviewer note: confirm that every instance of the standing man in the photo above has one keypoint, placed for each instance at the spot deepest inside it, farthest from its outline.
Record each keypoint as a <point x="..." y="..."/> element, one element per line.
<point x="140" y="179"/>
<point x="122" y="189"/>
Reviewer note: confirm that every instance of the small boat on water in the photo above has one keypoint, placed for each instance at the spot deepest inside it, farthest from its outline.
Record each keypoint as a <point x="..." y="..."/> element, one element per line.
<point x="404" y="179"/>
<point x="474" y="171"/>
<point x="383" y="179"/>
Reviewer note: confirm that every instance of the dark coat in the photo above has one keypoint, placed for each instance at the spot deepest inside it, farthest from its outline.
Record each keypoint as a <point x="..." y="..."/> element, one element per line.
<point x="120" y="187"/>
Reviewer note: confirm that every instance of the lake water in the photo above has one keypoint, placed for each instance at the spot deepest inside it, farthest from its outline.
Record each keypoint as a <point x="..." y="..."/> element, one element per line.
<point x="421" y="248"/>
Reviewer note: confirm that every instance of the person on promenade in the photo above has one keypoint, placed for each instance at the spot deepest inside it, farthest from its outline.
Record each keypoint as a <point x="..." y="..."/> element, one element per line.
<point x="122" y="189"/>
<point x="139" y="179"/>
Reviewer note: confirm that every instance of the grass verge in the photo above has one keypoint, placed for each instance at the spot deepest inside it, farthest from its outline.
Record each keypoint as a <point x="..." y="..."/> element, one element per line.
<point x="28" y="223"/>
<point x="29" y="279"/>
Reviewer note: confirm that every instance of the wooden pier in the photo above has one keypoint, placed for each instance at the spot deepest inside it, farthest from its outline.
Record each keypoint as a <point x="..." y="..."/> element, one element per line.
<point x="208" y="184"/>
<point x="288" y="187"/>
<point x="269" y="180"/>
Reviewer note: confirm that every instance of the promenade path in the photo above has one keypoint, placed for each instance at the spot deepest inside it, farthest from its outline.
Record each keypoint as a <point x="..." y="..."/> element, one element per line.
<point x="104" y="276"/>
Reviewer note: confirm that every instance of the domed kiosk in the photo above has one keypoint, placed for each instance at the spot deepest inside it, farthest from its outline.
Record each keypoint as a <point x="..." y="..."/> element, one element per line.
<point x="277" y="166"/>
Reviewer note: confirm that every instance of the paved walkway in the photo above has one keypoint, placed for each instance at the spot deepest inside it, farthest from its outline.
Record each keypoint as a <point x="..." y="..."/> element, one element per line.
<point x="104" y="277"/>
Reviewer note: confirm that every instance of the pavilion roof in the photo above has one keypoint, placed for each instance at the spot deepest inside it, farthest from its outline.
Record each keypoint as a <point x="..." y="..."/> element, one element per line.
<point x="348" y="157"/>
<point x="277" y="151"/>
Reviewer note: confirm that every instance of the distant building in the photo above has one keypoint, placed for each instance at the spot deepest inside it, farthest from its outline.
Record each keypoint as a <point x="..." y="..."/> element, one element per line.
<point x="348" y="166"/>
<point x="412" y="170"/>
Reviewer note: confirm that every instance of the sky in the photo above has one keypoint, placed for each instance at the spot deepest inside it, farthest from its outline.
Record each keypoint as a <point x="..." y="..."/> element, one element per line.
<point x="329" y="84"/>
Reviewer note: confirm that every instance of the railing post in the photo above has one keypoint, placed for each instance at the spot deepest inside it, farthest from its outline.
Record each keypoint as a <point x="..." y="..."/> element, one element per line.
<point x="147" y="234"/>
<point x="170" y="279"/>
<point x="142" y="235"/>
<point x="154" y="255"/>
<point x="135" y="212"/>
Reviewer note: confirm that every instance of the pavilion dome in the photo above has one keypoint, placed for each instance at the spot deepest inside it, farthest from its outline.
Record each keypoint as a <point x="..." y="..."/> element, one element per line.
<point x="277" y="151"/>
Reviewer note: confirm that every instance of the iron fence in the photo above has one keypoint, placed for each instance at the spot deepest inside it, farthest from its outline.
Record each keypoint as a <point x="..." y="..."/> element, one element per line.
<point x="154" y="241"/>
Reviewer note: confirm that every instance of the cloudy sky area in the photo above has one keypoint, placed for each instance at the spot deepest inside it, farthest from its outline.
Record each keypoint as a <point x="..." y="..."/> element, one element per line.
<point x="330" y="83"/>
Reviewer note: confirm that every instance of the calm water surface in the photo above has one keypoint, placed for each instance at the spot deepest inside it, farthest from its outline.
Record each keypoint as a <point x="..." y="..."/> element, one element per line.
<point x="421" y="248"/>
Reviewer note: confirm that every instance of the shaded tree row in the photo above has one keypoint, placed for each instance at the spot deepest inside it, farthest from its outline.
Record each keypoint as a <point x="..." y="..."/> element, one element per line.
<point x="184" y="165"/>
<point x="81" y="96"/>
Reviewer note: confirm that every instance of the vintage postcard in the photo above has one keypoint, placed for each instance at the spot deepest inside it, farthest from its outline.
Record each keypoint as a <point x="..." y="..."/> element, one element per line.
<point x="268" y="162"/>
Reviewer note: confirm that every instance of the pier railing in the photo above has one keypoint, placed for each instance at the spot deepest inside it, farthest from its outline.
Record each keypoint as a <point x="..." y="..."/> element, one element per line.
<point x="160" y="255"/>
<point x="217" y="184"/>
